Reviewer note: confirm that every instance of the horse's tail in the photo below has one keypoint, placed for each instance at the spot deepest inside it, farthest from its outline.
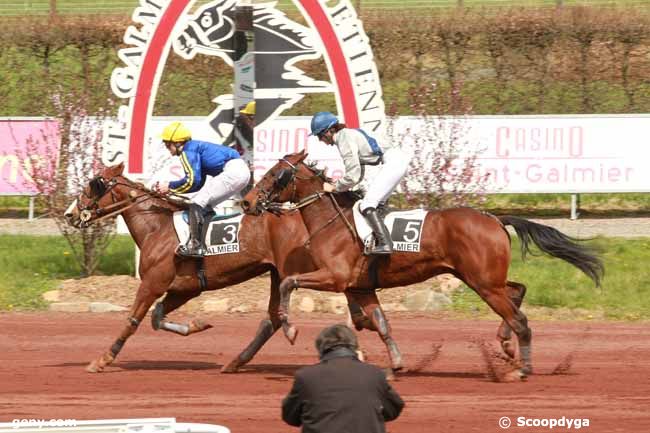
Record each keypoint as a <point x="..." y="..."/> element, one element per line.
<point x="557" y="244"/>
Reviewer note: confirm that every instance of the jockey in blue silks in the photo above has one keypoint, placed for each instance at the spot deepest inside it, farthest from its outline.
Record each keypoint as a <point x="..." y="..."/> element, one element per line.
<point x="215" y="171"/>
<point x="358" y="149"/>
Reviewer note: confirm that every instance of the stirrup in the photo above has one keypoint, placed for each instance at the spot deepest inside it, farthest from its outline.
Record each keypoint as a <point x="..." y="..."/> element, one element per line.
<point x="194" y="251"/>
<point x="372" y="249"/>
<point x="380" y="250"/>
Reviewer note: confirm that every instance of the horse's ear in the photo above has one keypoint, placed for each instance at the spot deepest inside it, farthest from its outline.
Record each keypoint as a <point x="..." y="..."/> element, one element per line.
<point x="302" y="155"/>
<point x="119" y="168"/>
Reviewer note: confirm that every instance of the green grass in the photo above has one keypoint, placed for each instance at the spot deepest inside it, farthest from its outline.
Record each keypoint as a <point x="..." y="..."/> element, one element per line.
<point x="32" y="265"/>
<point x="42" y="7"/>
<point x="623" y="204"/>
<point x="542" y="205"/>
<point x="625" y="292"/>
<point x="32" y="269"/>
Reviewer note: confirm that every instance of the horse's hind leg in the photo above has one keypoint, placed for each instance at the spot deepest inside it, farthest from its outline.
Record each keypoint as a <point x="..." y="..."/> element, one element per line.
<point x="265" y="331"/>
<point x="516" y="292"/>
<point x="143" y="300"/>
<point x="373" y="310"/>
<point x="321" y="279"/>
<point x="172" y="301"/>
<point x="499" y="301"/>
<point x="358" y="319"/>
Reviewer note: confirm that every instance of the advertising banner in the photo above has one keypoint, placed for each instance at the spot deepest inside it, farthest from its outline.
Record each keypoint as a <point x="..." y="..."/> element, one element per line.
<point x="23" y="144"/>
<point x="519" y="154"/>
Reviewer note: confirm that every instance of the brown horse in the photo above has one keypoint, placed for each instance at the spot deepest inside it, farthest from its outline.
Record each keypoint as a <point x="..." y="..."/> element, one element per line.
<point x="149" y="219"/>
<point x="474" y="246"/>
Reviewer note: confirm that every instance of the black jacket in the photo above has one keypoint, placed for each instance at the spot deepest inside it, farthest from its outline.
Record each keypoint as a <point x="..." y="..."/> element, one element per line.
<point x="341" y="395"/>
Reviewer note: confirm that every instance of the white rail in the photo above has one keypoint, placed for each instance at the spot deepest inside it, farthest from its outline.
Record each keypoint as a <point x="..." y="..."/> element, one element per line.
<point x="144" y="425"/>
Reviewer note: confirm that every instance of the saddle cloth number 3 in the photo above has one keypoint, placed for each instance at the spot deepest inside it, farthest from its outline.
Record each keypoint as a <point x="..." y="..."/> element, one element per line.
<point x="221" y="234"/>
<point x="224" y="238"/>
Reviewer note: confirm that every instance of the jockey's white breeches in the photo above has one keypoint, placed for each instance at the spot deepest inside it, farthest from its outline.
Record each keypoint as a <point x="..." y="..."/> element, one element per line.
<point x="396" y="162"/>
<point x="230" y="181"/>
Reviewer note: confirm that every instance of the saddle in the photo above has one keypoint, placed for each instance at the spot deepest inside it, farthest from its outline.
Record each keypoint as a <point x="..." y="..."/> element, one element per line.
<point x="221" y="232"/>
<point x="405" y="228"/>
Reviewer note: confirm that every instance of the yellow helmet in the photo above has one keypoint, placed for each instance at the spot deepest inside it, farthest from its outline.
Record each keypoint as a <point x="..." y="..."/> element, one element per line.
<point x="249" y="108"/>
<point x="176" y="132"/>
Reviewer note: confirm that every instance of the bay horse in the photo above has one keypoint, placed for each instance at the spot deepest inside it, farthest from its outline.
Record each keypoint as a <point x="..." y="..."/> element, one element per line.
<point x="148" y="216"/>
<point x="473" y="246"/>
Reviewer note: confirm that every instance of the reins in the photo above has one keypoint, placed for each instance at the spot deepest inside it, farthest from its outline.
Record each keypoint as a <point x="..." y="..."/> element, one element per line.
<point x="117" y="207"/>
<point x="313" y="198"/>
<point x="133" y="199"/>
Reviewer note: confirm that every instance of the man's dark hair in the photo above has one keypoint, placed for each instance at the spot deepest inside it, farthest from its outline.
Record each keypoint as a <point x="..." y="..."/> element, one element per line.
<point x="335" y="336"/>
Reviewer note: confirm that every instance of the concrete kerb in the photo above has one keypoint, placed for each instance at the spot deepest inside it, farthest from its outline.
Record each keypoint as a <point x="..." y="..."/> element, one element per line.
<point x="432" y="295"/>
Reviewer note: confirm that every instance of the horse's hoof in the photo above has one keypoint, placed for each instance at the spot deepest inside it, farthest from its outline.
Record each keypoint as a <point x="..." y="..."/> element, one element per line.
<point x="360" y="355"/>
<point x="514" y="376"/>
<point x="199" y="326"/>
<point x="508" y="348"/>
<point x="291" y="333"/>
<point x="390" y="374"/>
<point x="527" y="370"/>
<point x="94" y="367"/>
<point x="231" y="367"/>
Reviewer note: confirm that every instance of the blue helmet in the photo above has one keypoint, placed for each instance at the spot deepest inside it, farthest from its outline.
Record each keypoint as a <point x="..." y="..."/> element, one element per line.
<point x="322" y="121"/>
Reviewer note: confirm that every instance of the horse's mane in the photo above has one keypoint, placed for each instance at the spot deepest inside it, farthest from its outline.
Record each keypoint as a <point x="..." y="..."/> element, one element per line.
<point x="345" y="199"/>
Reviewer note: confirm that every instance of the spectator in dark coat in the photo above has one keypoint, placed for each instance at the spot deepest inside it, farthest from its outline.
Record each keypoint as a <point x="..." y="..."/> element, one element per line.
<point x="340" y="394"/>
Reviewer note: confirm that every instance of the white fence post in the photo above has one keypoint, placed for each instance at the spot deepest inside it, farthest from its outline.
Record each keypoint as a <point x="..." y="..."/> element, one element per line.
<point x="575" y="206"/>
<point x="31" y="208"/>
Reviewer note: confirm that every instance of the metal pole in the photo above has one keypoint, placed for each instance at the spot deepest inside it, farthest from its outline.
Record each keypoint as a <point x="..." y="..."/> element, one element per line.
<point x="30" y="216"/>
<point x="244" y="47"/>
<point x="575" y="206"/>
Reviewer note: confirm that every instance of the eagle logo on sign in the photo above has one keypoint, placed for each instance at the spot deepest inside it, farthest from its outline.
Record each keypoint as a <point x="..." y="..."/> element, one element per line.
<point x="333" y="34"/>
<point x="280" y="43"/>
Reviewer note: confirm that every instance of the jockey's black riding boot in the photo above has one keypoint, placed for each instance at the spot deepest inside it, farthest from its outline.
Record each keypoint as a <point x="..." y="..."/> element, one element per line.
<point x="382" y="210"/>
<point x="195" y="246"/>
<point x="383" y="244"/>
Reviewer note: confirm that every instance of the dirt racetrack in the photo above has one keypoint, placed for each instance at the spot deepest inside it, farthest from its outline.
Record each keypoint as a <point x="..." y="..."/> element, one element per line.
<point x="606" y="376"/>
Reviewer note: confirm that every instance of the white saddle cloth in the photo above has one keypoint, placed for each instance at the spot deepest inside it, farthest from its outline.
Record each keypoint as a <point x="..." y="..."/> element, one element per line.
<point x="222" y="237"/>
<point x="405" y="228"/>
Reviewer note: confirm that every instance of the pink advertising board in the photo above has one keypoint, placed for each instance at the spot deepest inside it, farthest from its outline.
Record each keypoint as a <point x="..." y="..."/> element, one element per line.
<point x="23" y="143"/>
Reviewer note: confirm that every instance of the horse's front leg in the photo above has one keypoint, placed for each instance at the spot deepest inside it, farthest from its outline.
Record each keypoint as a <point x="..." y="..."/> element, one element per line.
<point x="357" y="316"/>
<point x="321" y="279"/>
<point x="265" y="330"/>
<point x="172" y="301"/>
<point x="143" y="301"/>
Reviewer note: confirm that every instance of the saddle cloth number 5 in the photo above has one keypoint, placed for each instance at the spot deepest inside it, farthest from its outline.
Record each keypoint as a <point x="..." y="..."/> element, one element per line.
<point x="405" y="230"/>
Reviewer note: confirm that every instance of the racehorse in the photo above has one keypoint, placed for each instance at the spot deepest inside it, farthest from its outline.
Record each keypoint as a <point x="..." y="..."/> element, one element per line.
<point x="148" y="216"/>
<point x="472" y="245"/>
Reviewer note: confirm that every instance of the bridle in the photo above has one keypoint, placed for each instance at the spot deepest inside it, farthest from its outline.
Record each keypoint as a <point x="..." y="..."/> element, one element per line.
<point x="99" y="188"/>
<point x="282" y="180"/>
